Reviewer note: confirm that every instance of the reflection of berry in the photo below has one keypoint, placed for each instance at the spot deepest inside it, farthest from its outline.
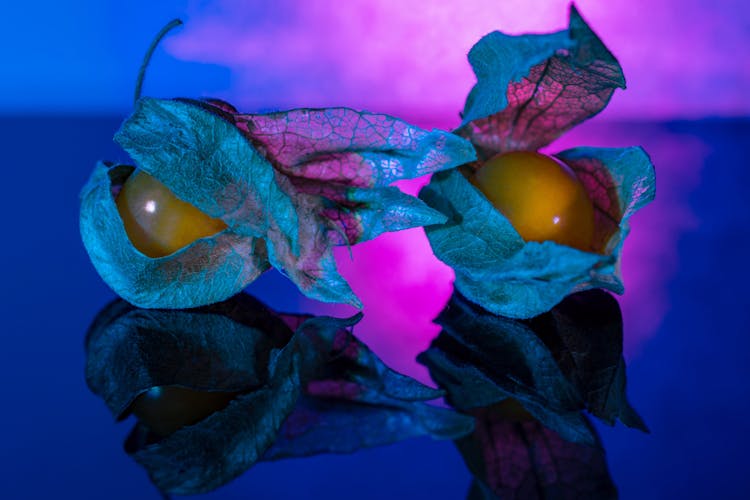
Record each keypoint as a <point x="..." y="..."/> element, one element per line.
<point x="540" y="196"/>
<point x="167" y="409"/>
<point x="157" y="222"/>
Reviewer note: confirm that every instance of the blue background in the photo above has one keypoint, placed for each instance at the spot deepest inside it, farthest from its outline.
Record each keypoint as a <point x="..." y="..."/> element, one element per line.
<point x="689" y="381"/>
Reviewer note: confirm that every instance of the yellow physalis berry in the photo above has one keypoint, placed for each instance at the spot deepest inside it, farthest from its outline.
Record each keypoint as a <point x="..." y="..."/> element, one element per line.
<point x="167" y="409"/>
<point x="540" y="196"/>
<point x="156" y="221"/>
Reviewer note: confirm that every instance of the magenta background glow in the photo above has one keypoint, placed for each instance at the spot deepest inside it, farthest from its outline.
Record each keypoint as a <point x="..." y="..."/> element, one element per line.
<point x="681" y="58"/>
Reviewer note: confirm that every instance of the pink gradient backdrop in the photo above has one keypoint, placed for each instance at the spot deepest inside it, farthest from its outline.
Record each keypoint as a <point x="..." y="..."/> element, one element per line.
<point x="681" y="57"/>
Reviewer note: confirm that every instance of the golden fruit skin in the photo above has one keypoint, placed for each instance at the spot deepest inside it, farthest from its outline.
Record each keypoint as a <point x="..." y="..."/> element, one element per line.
<point x="540" y="196"/>
<point x="167" y="409"/>
<point x="156" y="221"/>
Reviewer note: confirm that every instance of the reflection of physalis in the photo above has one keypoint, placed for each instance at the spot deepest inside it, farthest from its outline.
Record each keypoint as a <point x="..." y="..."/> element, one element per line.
<point x="218" y="388"/>
<point x="219" y="196"/>
<point x="514" y="457"/>
<point x="525" y="229"/>
<point x="554" y="365"/>
<point x="528" y="384"/>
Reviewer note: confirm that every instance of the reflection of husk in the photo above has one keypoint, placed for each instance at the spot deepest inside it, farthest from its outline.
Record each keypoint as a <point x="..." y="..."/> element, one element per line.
<point x="319" y="374"/>
<point x="555" y="365"/>
<point x="511" y="458"/>
<point x="527" y="383"/>
<point x="202" y="457"/>
<point x="237" y="345"/>
<point x="201" y="349"/>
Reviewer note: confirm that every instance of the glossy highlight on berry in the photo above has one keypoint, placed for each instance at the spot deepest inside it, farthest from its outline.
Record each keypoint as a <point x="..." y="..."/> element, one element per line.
<point x="540" y="196"/>
<point x="156" y="221"/>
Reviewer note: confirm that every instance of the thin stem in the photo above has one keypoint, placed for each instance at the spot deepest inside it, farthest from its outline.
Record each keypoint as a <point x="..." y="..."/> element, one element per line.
<point x="147" y="58"/>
